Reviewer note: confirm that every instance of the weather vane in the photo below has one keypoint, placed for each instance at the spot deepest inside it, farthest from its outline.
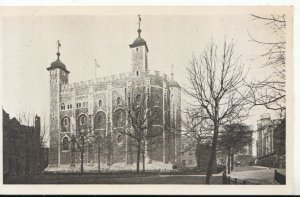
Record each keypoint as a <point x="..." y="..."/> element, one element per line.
<point x="139" y="21"/>
<point x="58" y="45"/>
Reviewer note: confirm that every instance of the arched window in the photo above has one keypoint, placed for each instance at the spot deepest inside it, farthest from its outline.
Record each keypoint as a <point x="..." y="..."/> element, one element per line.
<point x="65" y="143"/>
<point x="82" y="120"/>
<point x="157" y="116"/>
<point x="65" y="124"/>
<point x="119" y="118"/>
<point x="119" y="138"/>
<point x="62" y="106"/>
<point x="100" y="103"/>
<point x="118" y="101"/>
<point x="138" y="98"/>
<point x="137" y="73"/>
<point x="100" y="120"/>
<point x="156" y="99"/>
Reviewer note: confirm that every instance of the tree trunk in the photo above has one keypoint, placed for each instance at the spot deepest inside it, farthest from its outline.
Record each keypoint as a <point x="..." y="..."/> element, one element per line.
<point x="232" y="159"/>
<point x="212" y="156"/>
<point x="143" y="154"/>
<point x="228" y="161"/>
<point x="197" y="152"/>
<point x="138" y="156"/>
<point x="99" y="158"/>
<point x="81" y="155"/>
<point x="72" y="153"/>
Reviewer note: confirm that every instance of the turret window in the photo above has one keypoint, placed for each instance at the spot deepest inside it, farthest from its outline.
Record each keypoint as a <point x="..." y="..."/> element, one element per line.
<point x="118" y="101"/>
<point x="65" y="143"/>
<point x="66" y="122"/>
<point x="137" y="73"/>
<point x="62" y="106"/>
<point x="100" y="103"/>
<point x="82" y="120"/>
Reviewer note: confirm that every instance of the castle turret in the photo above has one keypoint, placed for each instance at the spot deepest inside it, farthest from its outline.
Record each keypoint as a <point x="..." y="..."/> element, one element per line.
<point x="175" y="115"/>
<point x="58" y="77"/>
<point x="139" y="54"/>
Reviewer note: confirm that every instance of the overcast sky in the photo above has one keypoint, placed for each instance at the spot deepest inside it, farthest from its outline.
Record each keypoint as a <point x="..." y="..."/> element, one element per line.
<point x="29" y="47"/>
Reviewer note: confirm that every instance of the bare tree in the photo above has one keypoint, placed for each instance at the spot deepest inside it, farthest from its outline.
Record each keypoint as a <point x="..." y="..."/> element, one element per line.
<point x="270" y="92"/>
<point x="217" y="86"/>
<point x="101" y="141"/>
<point x="143" y="116"/>
<point x="197" y="132"/>
<point x="44" y="136"/>
<point x="80" y="140"/>
<point x="233" y="139"/>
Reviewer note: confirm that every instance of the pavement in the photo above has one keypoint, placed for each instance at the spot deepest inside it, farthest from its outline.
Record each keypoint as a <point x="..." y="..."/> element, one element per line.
<point x="254" y="174"/>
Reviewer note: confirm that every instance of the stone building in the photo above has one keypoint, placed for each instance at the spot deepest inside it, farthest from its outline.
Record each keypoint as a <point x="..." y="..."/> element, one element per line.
<point x="270" y="145"/>
<point x="101" y="105"/>
<point x="22" y="151"/>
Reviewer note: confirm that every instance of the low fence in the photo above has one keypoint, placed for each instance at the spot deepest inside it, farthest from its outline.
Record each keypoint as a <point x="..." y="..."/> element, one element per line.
<point x="235" y="181"/>
<point x="280" y="178"/>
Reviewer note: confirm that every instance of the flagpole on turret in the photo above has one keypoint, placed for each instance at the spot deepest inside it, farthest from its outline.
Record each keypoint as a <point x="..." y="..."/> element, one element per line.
<point x="96" y="66"/>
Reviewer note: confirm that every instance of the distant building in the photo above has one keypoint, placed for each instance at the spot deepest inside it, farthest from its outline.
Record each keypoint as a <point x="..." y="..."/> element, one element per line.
<point x="196" y="156"/>
<point x="245" y="156"/>
<point x="100" y="103"/>
<point x="22" y="152"/>
<point x="188" y="156"/>
<point x="270" y="145"/>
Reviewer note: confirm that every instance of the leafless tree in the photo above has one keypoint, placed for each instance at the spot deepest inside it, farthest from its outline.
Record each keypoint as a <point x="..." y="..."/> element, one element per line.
<point x="101" y="141"/>
<point x="143" y="116"/>
<point x="196" y="132"/>
<point x="44" y="136"/>
<point x="80" y="140"/>
<point x="217" y="85"/>
<point x="270" y="92"/>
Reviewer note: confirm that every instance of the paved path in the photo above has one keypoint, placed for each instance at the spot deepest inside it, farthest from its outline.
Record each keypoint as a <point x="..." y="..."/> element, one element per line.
<point x="255" y="174"/>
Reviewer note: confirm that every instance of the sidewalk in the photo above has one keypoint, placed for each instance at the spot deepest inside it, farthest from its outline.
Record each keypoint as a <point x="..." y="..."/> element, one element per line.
<point x="255" y="174"/>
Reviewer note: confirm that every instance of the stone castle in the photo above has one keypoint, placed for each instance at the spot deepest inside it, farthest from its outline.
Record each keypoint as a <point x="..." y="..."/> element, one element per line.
<point x="98" y="102"/>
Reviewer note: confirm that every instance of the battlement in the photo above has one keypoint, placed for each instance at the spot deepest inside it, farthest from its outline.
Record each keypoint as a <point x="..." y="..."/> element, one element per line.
<point x="113" y="77"/>
<point x="105" y="79"/>
<point x="159" y="74"/>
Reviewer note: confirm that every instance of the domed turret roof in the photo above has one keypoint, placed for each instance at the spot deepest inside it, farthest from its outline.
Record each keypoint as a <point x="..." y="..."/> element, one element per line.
<point x="174" y="83"/>
<point x="138" y="41"/>
<point x="58" y="64"/>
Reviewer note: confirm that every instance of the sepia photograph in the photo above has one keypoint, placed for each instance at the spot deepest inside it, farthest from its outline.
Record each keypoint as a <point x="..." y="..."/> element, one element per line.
<point x="147" y="96"/>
